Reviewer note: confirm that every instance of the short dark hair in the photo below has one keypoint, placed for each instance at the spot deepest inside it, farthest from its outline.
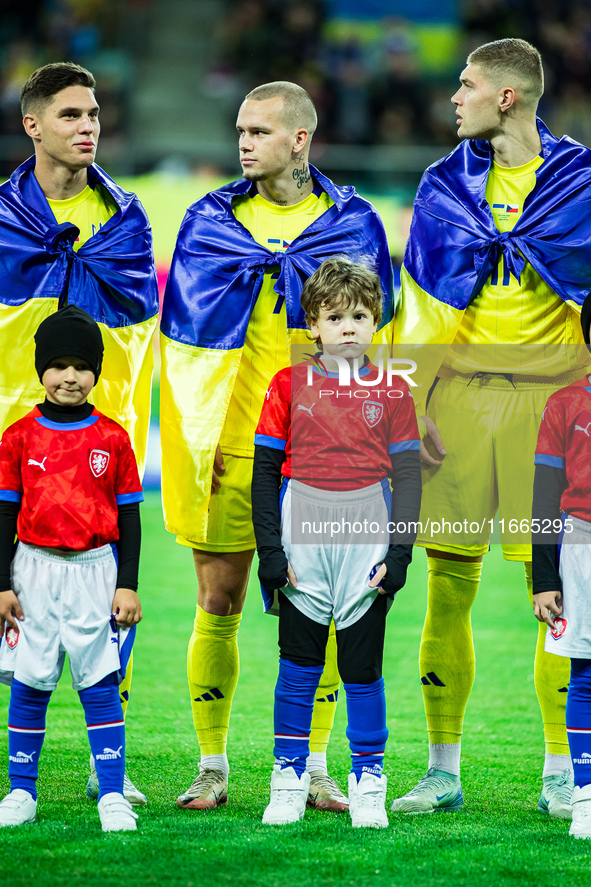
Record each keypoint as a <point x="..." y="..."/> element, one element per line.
<point x="47" y="81"/>
<point x="512" y="59"/>
<point x="339" y="283"/>
<point x="298" y="107"/>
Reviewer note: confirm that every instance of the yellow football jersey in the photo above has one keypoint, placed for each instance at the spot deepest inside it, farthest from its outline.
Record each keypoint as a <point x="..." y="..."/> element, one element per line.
<point x="508" y="311"/>
<point x="89" y="211"/>
<point x="266" y="348"/>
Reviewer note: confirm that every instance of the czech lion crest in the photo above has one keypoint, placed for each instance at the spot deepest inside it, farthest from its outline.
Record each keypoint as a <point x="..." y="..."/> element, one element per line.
<point x="559" y="628"/>
<point x="99" y="461"/>
<point x="12" y="637"/>
<point x="372" y="412"/>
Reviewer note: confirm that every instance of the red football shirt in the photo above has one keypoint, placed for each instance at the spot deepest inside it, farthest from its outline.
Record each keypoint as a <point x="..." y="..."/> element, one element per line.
<point x="564" y="441"/>
<point x="337" y="437"/>
<point x="69" y="479"/>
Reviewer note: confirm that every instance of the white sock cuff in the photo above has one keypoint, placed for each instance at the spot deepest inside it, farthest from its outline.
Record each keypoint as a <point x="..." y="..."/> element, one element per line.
<point x="555" y="765"/>
<point x="445" y="756"/>
<point x="316" y="761"/>
<point x="215" y="762"/>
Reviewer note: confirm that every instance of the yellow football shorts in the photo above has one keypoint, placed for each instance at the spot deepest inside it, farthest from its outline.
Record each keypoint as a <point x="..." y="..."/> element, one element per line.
<point x="229" y="525"/>
<point x="489" y="426"/>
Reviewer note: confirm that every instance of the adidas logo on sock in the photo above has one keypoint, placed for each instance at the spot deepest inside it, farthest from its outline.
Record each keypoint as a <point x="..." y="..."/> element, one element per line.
<point x="332" y="697"/>
<point x="212" y="694"/>
<point x="431" y="679"/>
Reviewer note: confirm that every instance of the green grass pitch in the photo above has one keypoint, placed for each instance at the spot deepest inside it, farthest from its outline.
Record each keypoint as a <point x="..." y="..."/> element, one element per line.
<point x="499" y="839"/>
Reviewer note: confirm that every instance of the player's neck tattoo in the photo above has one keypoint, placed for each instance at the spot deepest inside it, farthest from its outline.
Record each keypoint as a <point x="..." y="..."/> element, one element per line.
<point x="302" y="176"/>
<point x="275" y="200"/>
<point x="291" y="190"/>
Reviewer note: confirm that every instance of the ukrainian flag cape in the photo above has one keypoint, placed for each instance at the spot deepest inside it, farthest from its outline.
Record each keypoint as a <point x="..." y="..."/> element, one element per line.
<point x="215" y="277"/>
<point x="454" y="243"/>
<point x="112" y="276"/>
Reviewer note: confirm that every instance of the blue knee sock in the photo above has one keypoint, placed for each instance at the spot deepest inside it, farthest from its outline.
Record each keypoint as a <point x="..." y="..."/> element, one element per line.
<point x="294" y="701"/>
<point x="366" y="727"/>
<point x="578" y="720"/>
<point x="106" y="733"/>
<point x="26" y="732"/>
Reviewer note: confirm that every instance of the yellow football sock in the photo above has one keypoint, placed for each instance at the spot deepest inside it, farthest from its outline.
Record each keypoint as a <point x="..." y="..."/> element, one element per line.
<point x="446" y="657"/>
<point x="551" y="677"/>
<point x="212" y="668"/>
<point x="126" y="684"/>
<point x="325" y="701"/>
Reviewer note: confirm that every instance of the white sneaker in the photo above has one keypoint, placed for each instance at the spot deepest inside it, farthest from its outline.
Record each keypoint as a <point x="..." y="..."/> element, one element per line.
<point x="116" y="813"/>
<point x="581" y="825"/>
<point x="289" y="794"/>
<point x="17" y="808"/>
<point x="135" y="797"/>
<point x="367" y="801"/>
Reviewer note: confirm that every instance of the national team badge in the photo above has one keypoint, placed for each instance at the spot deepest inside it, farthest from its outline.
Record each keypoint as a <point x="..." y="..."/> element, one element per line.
<point x="12" y="638"/>
<point x="99" y="460"/>
<point x="372" y="412"/>
<point x="559" y="628"/>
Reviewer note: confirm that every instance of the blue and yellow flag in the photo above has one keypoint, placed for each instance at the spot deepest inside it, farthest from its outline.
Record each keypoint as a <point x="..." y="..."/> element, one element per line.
<point x="215" y="277"/>
<point x="112" y="276"/>
<point x="454" y="244"/>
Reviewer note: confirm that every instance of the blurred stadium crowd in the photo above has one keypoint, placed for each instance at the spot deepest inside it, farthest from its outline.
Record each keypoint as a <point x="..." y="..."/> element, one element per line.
<point x="374" y="82"/>
<point x="104" y="35"/>
<point x="373" y="87"/>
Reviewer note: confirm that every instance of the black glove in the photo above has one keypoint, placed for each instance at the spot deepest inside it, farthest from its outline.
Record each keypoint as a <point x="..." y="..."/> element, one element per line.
<point x="397" y="560"/>
<point x="272" y="568"/>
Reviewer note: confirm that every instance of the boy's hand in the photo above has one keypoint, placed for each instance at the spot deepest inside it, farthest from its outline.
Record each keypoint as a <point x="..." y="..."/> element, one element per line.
<point x="389" y="580"/>
<point x="218" y="468"/>
<point x="126" y="607"/>
<point x="293" y="579"/>
<point x="377" y="579"/>
<point x="10" y="611"/>
<point x="546" y="605"/>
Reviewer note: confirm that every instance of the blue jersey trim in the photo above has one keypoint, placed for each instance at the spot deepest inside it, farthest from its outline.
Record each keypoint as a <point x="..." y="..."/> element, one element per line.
<point x="282" y="492"/>
<point x="125" y="649"/>
<point x="563" y="517"/>
<point x="10" y="496"/>
<point x="264" y="440"/>
<point x="387" y="494"/>
<point x="403" y="446"/>
<point x="67" y="426"/>
<point x="268" y="596"/>
<point x="128" y="498"/>
<point x="552" y="461"/>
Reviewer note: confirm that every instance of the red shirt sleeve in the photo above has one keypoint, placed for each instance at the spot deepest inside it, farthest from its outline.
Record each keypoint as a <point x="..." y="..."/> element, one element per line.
<point x="274" y="423"/>
<point x="404" y="431"/>
<point x="127" y="482"/>
<point x="550" y="448"/>
<point x="11" y="484"/>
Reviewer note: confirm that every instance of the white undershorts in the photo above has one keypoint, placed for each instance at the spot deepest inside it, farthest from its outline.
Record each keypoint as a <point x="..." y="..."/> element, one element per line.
<point x="572" y="636"/>
<point x="66" y="600"/>
<point x="332" y="578"/>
